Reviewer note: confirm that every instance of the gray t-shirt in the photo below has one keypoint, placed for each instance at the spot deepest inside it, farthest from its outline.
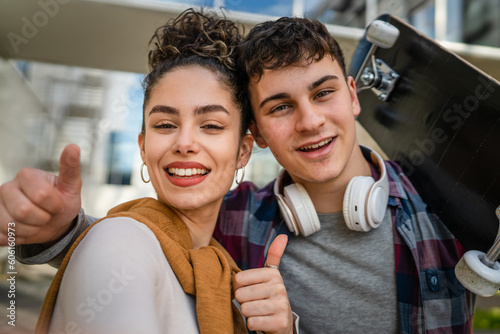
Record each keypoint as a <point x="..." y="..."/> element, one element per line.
<point x="359" y="294"/>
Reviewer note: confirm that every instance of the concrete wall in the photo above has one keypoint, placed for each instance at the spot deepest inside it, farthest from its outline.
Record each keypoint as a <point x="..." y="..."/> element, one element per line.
<point x="23" y="121"/>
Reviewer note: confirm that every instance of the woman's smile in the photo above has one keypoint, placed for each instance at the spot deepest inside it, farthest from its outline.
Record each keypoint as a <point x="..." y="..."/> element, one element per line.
<point x="186" y="174"/>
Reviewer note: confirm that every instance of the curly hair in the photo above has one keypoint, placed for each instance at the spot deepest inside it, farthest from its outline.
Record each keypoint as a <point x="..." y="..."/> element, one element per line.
<point x="287" y="41"/>
<point x="195" y="38"/>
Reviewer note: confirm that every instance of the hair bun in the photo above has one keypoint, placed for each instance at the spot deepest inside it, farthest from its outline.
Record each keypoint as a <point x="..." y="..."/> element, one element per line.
<point x="195" y="33"/>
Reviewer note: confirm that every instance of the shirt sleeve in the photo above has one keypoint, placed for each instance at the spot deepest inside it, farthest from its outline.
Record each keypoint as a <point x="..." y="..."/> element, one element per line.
<point x="110" y="283"/>
<point x="53" y="255"/>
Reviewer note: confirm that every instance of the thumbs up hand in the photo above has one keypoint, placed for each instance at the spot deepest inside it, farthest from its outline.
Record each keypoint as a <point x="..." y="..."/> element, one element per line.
<point x="262" y="294"/>
<point x="40" y="206"/>
<point x="276" y="251"/>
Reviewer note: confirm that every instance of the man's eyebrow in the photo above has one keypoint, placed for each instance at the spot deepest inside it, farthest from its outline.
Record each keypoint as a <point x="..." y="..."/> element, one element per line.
<point x="278" y="96"/>
<point x="164" y="109"/>
<point x="311" y="87"/>
<point x="321" y="80"/>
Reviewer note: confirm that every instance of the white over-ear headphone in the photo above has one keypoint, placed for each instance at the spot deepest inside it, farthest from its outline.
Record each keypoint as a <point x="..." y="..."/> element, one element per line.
<point x="365" y="201"/>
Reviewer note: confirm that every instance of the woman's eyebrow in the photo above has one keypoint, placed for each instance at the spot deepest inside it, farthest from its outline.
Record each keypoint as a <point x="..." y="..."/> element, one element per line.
<point x="210" y="108"/>
<point x="198" y="110"/>
<point x="164" y="109"/>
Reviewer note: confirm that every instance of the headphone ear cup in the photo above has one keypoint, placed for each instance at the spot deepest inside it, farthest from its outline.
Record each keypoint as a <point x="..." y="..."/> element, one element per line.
<point x="355" y="201"/>
<point x="302" y="208"/>
<point x="376" y="206"/>
<point x="287" y="215"/>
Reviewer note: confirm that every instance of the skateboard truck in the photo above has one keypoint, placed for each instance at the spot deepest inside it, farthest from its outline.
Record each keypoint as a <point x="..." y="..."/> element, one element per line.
<point x="378" y="77"/>
<point x="480" y="272"/>
<point x="375" y="74"/>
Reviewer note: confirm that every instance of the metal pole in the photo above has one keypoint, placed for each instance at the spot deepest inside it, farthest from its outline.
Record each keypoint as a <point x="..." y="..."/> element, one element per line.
<point x="371" y="11"/>
<point x="440" y="15"/>
<point x="298" y="8"/>
<point x="494" y="252"/>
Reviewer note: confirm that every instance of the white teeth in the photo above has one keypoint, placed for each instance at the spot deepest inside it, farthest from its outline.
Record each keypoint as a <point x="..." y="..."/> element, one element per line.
<point x="187" y="171"/>
<point x="310" y="147"/>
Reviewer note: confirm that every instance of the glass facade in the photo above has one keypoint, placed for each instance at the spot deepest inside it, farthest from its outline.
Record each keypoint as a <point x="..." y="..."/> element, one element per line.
<point x="465" y="21"/>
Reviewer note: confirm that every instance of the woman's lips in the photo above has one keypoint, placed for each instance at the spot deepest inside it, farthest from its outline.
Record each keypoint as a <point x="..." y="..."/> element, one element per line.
<point x="186" y="173"/>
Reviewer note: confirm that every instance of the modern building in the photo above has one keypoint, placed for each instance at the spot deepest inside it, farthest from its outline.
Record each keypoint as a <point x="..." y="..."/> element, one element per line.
<point x="71" y="72"/>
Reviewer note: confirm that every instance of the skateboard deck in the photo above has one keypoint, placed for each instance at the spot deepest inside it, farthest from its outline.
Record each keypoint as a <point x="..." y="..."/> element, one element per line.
<point x="439" y="117"/>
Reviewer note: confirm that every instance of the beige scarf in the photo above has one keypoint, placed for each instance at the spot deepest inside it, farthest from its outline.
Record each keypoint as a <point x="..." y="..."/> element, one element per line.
<point x="205" y="273"/>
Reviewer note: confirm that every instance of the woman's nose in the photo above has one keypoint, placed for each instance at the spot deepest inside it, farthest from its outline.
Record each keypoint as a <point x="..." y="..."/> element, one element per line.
<point x="187" y="142"/>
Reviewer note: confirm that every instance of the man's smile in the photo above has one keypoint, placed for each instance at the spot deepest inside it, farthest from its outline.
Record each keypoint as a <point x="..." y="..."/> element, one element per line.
<point x="317" y="146"/>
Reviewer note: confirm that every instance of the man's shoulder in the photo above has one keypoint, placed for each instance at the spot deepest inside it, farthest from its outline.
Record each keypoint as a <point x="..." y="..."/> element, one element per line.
<point x="394" y="170"/>
<point x="400" y="186"/>
<point x="249" y="192"/>
<point x="246" y="205"/>
<point x="404" y="194"/>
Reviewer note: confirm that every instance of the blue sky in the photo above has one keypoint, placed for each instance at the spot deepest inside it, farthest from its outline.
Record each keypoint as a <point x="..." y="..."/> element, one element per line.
<point x="268" y="7"/>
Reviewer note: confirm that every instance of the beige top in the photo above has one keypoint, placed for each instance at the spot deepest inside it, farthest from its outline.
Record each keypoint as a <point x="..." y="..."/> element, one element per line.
<point x="131" y="289"/>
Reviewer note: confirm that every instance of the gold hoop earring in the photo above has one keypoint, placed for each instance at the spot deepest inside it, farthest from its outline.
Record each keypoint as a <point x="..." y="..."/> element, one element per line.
<point x="237" y="179"/>
<point x="142" y="174"/>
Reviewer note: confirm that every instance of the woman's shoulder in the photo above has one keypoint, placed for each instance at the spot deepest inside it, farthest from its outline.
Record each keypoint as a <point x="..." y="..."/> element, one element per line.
<point x="117" y="248"/>
<point x="119" y="269"/>
<point x="123" y="227"/>
<point x="120" y="241"/>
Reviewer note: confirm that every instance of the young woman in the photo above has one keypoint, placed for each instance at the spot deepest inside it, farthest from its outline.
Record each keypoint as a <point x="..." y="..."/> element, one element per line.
<point x="158" y="268"/>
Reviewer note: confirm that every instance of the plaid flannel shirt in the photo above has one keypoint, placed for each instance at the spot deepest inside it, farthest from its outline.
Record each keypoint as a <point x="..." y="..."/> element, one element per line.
<point x="430" y="298"/>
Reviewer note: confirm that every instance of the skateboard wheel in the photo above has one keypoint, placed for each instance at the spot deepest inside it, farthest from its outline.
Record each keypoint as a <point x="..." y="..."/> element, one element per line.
<point x="382" y="34"/>
<point x="477" y="277"/>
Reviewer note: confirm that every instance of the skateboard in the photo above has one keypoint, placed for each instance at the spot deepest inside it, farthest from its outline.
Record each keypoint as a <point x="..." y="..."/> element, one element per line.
<point x="439" y="117"/>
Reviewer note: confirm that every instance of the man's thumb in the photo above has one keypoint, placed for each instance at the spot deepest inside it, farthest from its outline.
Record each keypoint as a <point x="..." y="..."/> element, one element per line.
<point x="276" y="250"/>
<point x="69" y="179"/>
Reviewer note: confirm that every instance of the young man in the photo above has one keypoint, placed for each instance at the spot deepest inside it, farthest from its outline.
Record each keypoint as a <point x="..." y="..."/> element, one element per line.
<point x="398" y="276"/>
